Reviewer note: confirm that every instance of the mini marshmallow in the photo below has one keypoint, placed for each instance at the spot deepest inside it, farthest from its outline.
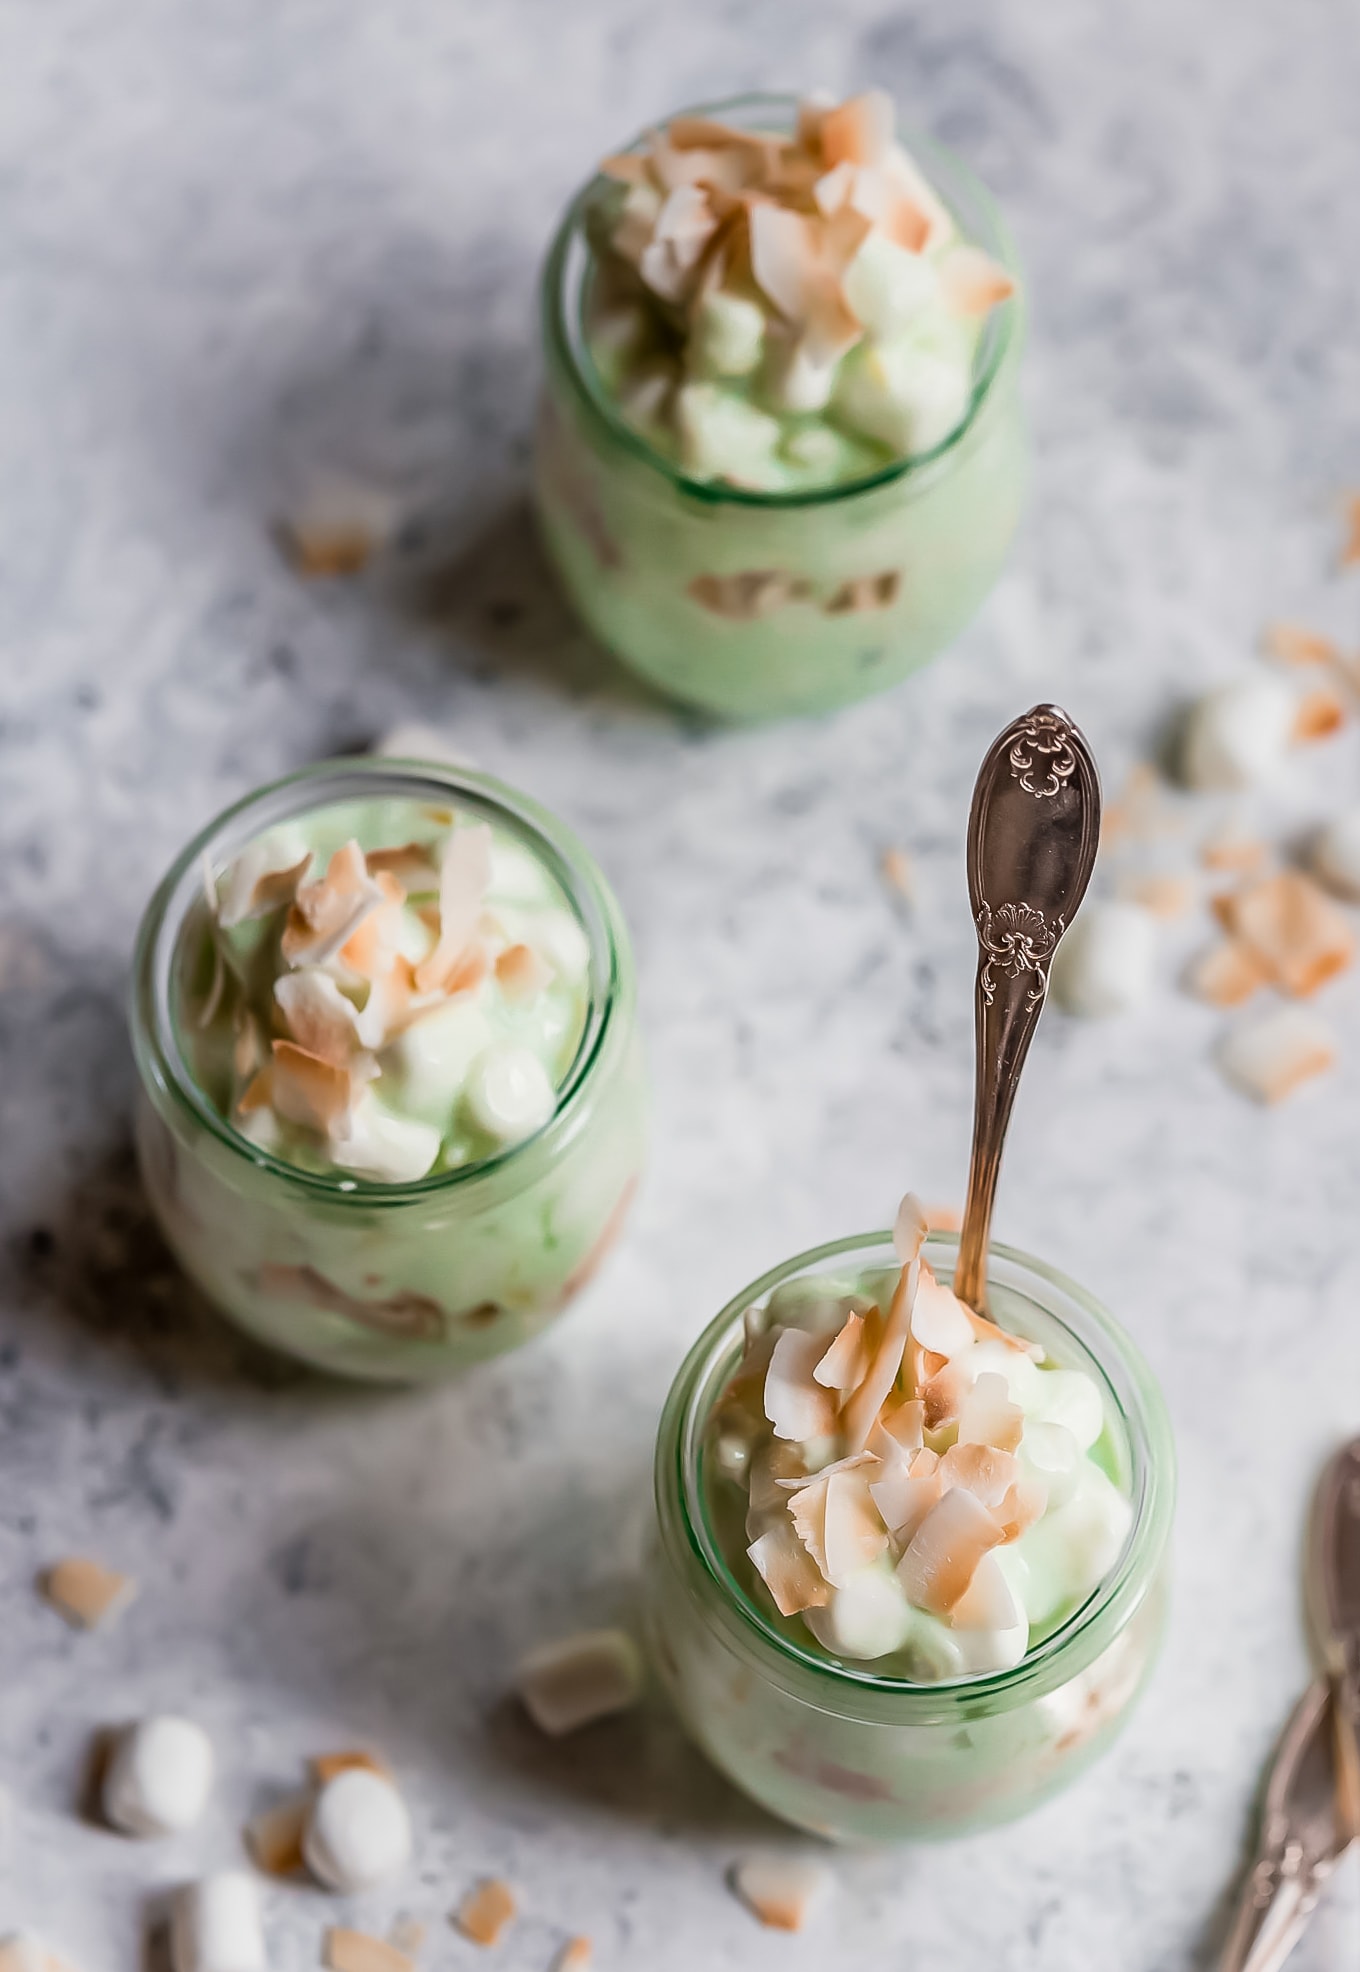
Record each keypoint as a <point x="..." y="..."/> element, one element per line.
<point x="869" y="1616"/>
<point x="358" y="1833"/>
<point x="215" y="1925"/>
<point x="159" y="1778"/>
<point x="579" y="1679"/>
<point x="782" y="1891"/>
<point x="1238" y="734"/>
<point x="509" y="1093"/>
<point x="1336" y="855"/>
<point x="1106" y="962"/>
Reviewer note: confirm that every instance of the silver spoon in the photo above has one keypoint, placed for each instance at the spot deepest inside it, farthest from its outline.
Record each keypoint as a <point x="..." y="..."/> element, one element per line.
<point x="1032" y="837"/>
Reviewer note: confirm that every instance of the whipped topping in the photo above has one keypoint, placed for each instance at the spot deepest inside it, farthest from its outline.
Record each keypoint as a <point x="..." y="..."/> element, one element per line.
<point x="385" y="989"/>
<point x="919" y="1485"/>
<point x="782" y="311"/>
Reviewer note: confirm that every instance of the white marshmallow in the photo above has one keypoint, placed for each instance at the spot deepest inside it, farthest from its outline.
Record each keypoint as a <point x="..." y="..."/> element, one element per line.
<point x="886" y="285"/>
<point x="414" y="740"/>
<point x="1238" y="734"/>
<point x="579" y="1679"/>
<point x="509" y="1093"/>
<point x="1106" y="963"/>
<point x="906" y="396"/>
<point x="516" y="873"/>
<point x="159" y="1778"/>
<point x="727" y="336"/>
<point x="1052" y="1454"/>
<point x="1068" y="1397"/>
<point x="432" y="1057"/>
<point x="392" y="1150"/>
<point x="215" y="1925"/>
<point x="1336" y="855"/>
<point x="358" y="1833"/>
<point x="560" y="937"/>
<point x="868" y="1616"/>
<point x="722" y="436"/>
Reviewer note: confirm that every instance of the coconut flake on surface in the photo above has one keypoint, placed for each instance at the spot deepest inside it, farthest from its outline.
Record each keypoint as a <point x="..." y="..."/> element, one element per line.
<point x="357" y="1951"/>
<point x="1292" y="928"/>
<point x="85" y="1592"/>
<point x="486" y="1912"/>
<point x="783" y="1892"/>
<point x="1271" y="1055"/>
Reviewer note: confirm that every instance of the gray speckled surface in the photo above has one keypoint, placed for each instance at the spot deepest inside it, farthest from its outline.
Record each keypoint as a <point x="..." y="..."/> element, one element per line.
<point x="245" y="242"/>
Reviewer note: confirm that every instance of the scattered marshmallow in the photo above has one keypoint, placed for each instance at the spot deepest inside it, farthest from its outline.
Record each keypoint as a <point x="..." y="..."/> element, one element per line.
<point x="782" y="1891"/>
<point x="85" y="1592"/>
<point x="579" y="1679"/>
<point x="509" y="1093"/>
<point x="358" y="1833"/>
<point x="1239" y="733"/>
<point x="159" y="1778"/>
<point x="486" y="1912"/>
<point x="1106" y="962"/>
<point x="1269" y="1057"/>
<point x="412" y="739"/>
<point x="215" y="1925"/>
<point x="1336" y="855"/>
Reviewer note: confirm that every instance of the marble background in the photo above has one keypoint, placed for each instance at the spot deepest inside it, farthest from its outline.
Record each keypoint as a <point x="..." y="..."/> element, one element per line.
<point x="252" y="240"/>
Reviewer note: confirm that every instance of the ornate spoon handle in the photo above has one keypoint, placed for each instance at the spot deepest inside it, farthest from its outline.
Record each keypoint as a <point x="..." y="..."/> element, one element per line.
<point x="1032" y="837"/>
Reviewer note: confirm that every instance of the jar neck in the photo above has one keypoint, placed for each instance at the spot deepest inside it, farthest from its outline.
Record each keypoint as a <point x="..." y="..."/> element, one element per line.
<point x="570" y="264"/>
<point x="164" y="1068"/>
<point x="688" y="1538"/>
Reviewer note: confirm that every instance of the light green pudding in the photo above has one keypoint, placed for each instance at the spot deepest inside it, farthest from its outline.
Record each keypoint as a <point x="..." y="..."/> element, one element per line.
<point x="393" y="1097"/>
<point x="780" y="458"/>
<point x="913" y="1621"/>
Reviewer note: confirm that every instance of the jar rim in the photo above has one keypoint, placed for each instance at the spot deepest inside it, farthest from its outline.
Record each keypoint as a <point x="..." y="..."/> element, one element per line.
<point x="837" y="1686"/>
<point x="570" y="255"/>
<point x="160" y="1058"/>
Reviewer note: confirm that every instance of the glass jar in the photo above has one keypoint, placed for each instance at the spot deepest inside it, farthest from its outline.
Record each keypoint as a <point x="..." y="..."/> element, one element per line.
<point x="859" y="1757"/>
<point x="395" y="1282"/>
<point x="650" y="556"/>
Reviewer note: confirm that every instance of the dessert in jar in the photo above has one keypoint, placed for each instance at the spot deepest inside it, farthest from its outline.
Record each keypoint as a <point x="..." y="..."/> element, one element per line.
<point x="907" y="1579"/>
<point x="780" y="458"/>
<point x="392" y="1097"/>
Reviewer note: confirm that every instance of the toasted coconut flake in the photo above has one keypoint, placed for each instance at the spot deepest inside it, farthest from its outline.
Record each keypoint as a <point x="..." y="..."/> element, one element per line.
<point x="939" y="1320"/>
<point x="862" y="1410"/>
<point x="784" y="259"/>
<point x="745" y="597"/>
<point x="356" y="1951"/>
<point x="987" y="1331"/>
<point x="1227" y="975"/>
<point x="325" y="1766"/>
<point x="795" y="1403"/>
<point x="858" y="131"/>
<point x="521" y="973"/>
<point x="1350" y="546"/>
<point x="833" y="189"/>
<point x="1229" y="849"/>
<point x="904" y="1425"/>
<point x="486" y="1911"/>
<point x="207" y="1013"/>
<point x="85" y="1592"/>
<point x="782" y="1891"/>
<point x="372" y="949"/>
<point x="1166" y="896"/>
<point x="257" y="1094"/>
<point x="319" y="1018"/>
<point x="944" y="1218"/>
<point x="329" y="911"/>
<point x="904" y="1498"/>
<point x="256" y="883"/>
<point x="464" y="877"/>
<point x="274" y="1836"/>
<point x="983" y="1470"/>
<point x="1293" y="928"/>
<point x="853" y="1532"/>
<point x="846" y="1358"/>
<point x="1271" y="1056"/>
<point x="411" y="863"/>
<point x="807" y="1512"/>
<point x="973" y="281"/>
<point x="899" y="873"/>
<point x="944" y="1396"/>
<point x="946" y="1548"/>
<point x="924" y="1365"/>
<point x="307" y="1089"/>
<point x="988" y="1417"/>
<point x="788" y="1572"/>
<point x="910" y="1229"/>
<point x="774" y="1470"/>
<point x="626" y="168"/>
<point x="576" y="1955"/>
<point x="1025" y="1503"/>
<point x="1320" y="714"/>
<point x="866" y="592"/>
<point x="1292" y="644"/>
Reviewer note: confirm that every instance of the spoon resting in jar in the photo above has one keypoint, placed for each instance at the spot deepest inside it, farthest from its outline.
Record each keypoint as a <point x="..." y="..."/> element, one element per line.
<point x="1032" y="837"/>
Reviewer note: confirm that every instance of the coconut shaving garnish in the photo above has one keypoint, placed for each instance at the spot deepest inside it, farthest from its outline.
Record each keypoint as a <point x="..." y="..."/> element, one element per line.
<point x="85" y="1592"/>
<point x="920" y="1485"/>
<point x="487" y="1910"/>
<point x="777" y="309"/>
<point x="385" y="989"/>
